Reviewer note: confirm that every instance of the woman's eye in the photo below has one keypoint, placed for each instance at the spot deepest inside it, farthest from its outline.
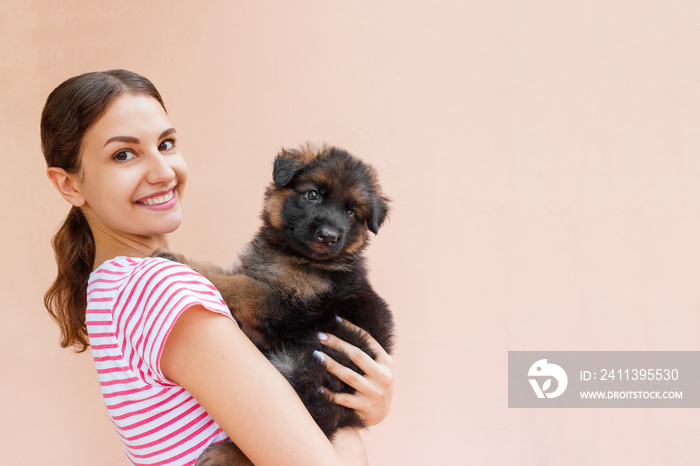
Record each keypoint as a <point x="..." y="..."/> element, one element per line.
<point x="166" y="145"/>
<point x="123" y="156"/>
<point x="312" y="195"/>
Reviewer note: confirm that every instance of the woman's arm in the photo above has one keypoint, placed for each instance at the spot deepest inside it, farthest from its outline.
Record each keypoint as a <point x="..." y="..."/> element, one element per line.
<point x="209" y="356"/>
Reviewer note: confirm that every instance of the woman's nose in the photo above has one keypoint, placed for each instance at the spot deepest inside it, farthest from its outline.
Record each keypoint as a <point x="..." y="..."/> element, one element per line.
<point x="159" y="169"/>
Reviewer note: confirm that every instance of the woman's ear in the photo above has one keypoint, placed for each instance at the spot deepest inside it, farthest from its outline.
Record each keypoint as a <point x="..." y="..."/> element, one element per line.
<point x="67" y="185"/>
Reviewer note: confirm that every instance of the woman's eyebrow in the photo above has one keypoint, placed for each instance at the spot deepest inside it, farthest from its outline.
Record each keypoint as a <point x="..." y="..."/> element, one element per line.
<point x="129" y="139"/>
<point x="133" y="140"/>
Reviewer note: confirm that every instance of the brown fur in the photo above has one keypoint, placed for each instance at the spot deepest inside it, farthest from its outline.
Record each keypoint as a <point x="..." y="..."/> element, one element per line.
<point x="273" y="207"/>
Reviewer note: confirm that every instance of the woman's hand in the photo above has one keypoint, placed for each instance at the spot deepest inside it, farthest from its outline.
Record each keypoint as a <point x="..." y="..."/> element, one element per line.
<point x="374" y="389"/>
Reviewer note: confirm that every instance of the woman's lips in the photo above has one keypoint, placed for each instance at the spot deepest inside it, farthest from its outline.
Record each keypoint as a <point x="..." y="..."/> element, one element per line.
<point x="159" y="202"/>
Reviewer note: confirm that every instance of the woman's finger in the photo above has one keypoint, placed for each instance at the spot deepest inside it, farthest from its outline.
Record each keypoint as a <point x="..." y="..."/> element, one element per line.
<point x="379" y="371"/>
<point x="345" y="374"/>
<point x="347" y="400"/>
<point x="382" y="356"/>
<point x="361" y="359"/>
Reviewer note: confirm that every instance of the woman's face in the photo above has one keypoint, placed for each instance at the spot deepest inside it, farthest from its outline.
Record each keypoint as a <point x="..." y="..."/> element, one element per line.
<point x="132" y="175"/>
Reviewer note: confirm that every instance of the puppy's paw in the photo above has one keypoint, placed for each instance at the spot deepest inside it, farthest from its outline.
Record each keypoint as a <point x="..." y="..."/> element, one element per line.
<point x="223" y="454"/>
<point x="171" y="256"/>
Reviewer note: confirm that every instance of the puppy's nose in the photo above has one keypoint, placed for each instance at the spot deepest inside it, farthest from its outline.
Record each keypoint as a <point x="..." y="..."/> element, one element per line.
<point x="327" y="235"/>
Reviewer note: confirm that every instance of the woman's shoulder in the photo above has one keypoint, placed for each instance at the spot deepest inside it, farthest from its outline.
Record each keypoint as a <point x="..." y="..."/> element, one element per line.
<point x="124" y="265"/>
<point x="146" y="271"/>
<point x="145" y="284"/>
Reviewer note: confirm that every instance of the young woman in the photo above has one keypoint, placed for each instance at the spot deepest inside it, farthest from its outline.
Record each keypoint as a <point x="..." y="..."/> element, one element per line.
<point x="176" y="372"/>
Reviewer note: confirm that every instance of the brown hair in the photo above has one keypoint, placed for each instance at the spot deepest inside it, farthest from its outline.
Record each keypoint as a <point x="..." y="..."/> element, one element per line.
<point x="70" y="110"/>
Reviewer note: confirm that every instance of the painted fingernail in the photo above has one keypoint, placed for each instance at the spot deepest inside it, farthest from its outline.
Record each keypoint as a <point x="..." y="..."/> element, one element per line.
<point x="322" y="336"/>
<point x="320" y="356"/>
<point x="338" y="319"/>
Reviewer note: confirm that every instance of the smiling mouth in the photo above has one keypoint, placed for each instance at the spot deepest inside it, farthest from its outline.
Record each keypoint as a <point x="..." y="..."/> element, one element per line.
<point x="157" y="200"/>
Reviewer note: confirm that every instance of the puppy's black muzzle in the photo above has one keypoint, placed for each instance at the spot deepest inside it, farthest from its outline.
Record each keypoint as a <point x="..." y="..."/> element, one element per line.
<point x="328" y="235"/>
<point x="326" y="231"/>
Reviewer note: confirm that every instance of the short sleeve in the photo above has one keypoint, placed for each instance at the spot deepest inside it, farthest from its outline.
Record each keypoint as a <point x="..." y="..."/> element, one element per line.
<point x="150" y="303"/>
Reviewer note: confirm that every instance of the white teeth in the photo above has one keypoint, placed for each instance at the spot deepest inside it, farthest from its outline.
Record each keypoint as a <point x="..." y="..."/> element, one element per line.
<point x="158" y="200"/>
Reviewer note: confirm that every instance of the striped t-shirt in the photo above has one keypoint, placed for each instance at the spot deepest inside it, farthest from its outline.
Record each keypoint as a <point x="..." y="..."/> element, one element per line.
<point x="133" y="304"/>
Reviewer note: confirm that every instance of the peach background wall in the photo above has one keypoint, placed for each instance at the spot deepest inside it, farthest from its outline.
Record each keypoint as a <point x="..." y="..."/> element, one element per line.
<point x="542" y="158"/>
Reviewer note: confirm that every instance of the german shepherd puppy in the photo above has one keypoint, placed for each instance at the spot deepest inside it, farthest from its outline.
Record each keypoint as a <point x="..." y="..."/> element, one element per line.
<point x="303" y="269"/>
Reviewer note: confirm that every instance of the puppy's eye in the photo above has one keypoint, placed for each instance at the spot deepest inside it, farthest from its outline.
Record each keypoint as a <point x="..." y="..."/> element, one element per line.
<point x="312" y="195"/>
<point x="350" y="213"/>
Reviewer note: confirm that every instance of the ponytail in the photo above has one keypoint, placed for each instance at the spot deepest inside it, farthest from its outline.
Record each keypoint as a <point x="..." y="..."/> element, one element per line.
<point x="66" y="300"/>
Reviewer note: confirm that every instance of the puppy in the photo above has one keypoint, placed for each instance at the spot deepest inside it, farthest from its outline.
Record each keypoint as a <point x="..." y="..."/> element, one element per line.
<point x="305" y="268"/>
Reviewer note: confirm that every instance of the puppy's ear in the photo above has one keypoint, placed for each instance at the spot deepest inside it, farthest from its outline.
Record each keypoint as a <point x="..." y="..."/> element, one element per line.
<point x="285" y="167"/>
<point x="380" y="211"/>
